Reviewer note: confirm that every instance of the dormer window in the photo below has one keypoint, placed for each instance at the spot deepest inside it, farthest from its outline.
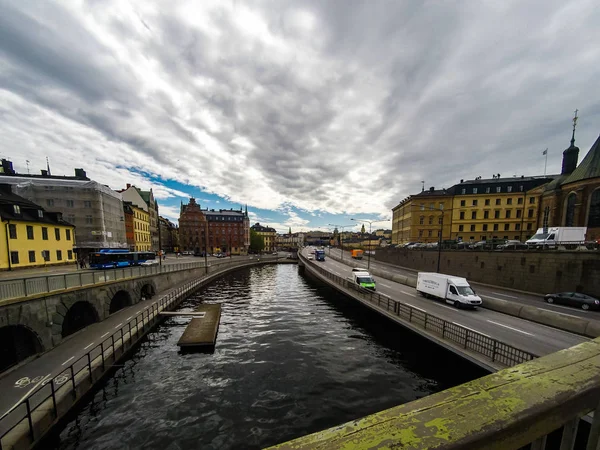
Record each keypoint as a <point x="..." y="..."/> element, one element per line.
<point x="17" y="209"/>
<point x="40" y="213"/>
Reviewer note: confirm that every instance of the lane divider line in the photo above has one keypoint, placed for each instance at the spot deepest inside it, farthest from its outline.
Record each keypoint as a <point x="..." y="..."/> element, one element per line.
<point x="505" y="295"/>
<point x="562" y="314"/>
<point x="88" y="346"/>
<point x="72" y="357"/>
<point x="474" y="331"/>
<point x="511" y="328"/>
<point x="105" y="334"/>
<point x="119" y="326"/>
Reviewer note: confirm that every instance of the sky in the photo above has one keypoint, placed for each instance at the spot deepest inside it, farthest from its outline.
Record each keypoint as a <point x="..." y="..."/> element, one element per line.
<point x="311" y="113"/>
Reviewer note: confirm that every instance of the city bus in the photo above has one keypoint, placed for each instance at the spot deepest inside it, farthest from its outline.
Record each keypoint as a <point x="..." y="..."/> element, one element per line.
<point x="112" y="258"/>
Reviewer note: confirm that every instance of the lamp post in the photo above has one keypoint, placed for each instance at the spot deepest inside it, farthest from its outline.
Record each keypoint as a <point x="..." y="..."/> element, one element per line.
<point x="206" y="245"/>
<point x="341" y="236"/>
<point x="370" y="222"/>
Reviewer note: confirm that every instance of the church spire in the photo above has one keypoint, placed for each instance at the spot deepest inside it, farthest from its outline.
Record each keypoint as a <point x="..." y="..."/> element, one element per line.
<point x="574" y="126"/>
<point x="246" y="213"/>
<point x="570" y="155"/>
<point x="48" y="165"/>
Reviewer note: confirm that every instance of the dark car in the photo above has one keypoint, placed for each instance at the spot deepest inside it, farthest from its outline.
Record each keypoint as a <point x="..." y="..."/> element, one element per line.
<point x="574" y="299"/>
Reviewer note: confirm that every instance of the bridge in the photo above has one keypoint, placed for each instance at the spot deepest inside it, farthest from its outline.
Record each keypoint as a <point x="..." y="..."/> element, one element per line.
<point x="526" y="398"/>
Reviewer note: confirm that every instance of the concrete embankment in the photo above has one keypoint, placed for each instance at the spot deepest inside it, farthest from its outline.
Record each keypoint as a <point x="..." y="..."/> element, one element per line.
<point x="577" y="325"/>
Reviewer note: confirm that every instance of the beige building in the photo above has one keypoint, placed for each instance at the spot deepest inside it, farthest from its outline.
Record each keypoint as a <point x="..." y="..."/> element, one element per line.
<point x="269" y="236"/>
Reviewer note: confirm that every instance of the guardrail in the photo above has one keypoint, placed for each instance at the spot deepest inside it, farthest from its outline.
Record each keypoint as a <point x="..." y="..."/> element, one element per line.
<point x="26" y="287"/>
<point x="473" y="247"/>
<point x="496" y="351"/>
<point x="30" y="410"/>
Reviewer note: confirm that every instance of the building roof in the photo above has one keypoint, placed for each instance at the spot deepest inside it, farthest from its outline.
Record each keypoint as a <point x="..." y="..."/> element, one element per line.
<point x="258" y="227"/>
<point x="589" y="166"/>
<point x="29" y="210"/>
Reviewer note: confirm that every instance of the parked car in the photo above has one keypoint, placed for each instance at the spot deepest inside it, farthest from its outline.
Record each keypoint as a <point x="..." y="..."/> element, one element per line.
<point x="311" y="256"/>
<point x="150" y="262"/>
<point x="576" y="299"/>
<point x="512" y="245"/>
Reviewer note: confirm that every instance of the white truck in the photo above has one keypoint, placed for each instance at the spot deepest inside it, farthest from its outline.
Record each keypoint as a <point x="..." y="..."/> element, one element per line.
<point x="454" y="290"/>
<point x="551" y="237"/>
<point x="362" y="278"/>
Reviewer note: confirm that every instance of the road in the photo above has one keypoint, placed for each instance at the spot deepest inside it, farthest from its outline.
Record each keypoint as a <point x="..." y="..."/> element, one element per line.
<point x="484" y="291"/>
<point x="530" y="336"/>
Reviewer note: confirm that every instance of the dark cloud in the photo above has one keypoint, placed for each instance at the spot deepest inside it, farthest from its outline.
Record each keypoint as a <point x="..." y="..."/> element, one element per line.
<point x="337" y="106"/>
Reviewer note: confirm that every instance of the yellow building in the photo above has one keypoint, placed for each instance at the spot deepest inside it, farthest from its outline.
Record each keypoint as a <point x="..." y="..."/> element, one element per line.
<point x="421" y="217"/>
<point x="142" y="240"/>
<point x="269" y="236"/>
<point x="497" y="208"/>
<point x="30" y="236"/>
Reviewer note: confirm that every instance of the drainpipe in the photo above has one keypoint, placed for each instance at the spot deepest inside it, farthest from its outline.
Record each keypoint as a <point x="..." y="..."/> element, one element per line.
<point x="8" y="245"/>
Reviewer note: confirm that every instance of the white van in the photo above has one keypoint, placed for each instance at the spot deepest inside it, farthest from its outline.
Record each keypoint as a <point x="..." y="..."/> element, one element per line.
<point x="454" y="290"/>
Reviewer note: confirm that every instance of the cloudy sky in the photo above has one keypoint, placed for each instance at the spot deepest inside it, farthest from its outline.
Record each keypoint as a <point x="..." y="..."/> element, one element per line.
<point x="310" y="112"/>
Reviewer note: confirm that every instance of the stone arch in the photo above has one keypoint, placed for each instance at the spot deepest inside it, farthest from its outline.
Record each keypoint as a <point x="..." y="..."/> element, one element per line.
<point x="570" y="205"/>
<point x="80" y="315"/>
<point x="147" y="289"/>
<point x="19" y="342"/>
<point x="593" y="211"/>
<point x="121" y="299"/>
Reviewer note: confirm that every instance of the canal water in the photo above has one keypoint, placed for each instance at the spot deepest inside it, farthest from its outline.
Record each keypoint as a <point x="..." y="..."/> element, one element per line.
<point x="292" y="357"/>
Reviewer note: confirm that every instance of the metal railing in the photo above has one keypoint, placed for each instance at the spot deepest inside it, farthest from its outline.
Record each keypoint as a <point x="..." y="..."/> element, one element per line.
<point x="26" y="287"/>
<point x="496" y="351"/>
<point x="102" y="355"/>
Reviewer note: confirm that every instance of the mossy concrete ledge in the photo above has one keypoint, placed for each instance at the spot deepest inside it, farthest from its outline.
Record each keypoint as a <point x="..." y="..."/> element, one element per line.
<point x="504" y="410"/>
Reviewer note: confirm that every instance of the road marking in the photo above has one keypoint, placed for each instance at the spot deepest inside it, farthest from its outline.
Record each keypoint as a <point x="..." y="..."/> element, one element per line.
<point x="475" y="331"/>
<point x="408" y="293"/>
<point x="138" y="312"/>
<point x="119" y="326"/>
<point x="43" y="380"/>
<point x="129" y="318"/>
<point x="511" y="328"/>
<point x="450" y="308"/>
<point x="88" y="346"/>
<point x="413" y="306"/>
<point x="562" y="314"/>
<point x="105" y="334"/>
<point x="505" y="295"/>
<point x="384" y="285"/>
<point x="72" y="357"/>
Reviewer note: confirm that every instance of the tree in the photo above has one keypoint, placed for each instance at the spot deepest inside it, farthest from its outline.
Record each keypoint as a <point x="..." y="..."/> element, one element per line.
<point x="257" y="243"/>
<point x="362" y="229"/>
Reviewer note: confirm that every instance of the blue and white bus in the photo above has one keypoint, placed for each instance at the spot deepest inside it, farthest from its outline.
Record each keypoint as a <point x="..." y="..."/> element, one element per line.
<point x="111" y="258"/>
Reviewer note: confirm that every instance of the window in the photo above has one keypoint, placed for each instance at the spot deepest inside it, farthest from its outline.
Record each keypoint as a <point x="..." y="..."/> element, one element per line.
<point x="472" y="227"/>
<point x="422" y="206"/>
<point x="440" y="220"/>
<point x="531" y="200"/>
<point x="498" y="201"/>
<point x="40" y="213"/>
<point x="12" y="231"/>
<point x="487" y="202"/>
<point x="594" y="214"/>
<point x="464" y="191"/>
<point x="421" y="221"/>
<point x="487" y="190"/>
<point x="520" y="201"/>
<point x="46" y="255"/>
<point x="508" y="213"/>
<point x="518" y="213"/>
<point x="68" y="235"/>
<point x="517" y="227"/>
<point x="44" y="233"/>
<point x="530" y="213"/>
<point x="57" y="234"/>
<point x="509" y="201"/>
<point x="29" y="232"/>
<point x="506" y="226"/>
<point x="49" y="202"/>
<point x="495" y="227"/>
<point x="420" y="233"/>
<point x="474" y="190"/>
<point x="529" y="226"/>
<point x="70" y="203"/>
<point x="17" y="209"/>
<point x="441" y="206"/>
<point x="462" y="215"/>
<point x="88" y="220"/>
<point x="59" y="255"/>
<point x="429" y="233"/>
<point x="430" y="220"/>
<point x="14" y="257"/>
<point x="87" y="204"/>
<point x="508" y="188"/>
<point x="473" y="215"/>
<point x="69" y="254"/>
<point x="474" y="202"/>
<point x="498" y="189"/>
<point x="486" y="214"/>
<point x="570" y="216"/>
<point x="463" y="203"/>
<point x="31" y="256"/>
<point x="485" y="227"/>
<point x="496" y="214"/>
<point x="431" y="206"/>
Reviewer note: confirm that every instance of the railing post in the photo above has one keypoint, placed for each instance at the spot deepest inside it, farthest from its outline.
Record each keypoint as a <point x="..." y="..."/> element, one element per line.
<point x="73" y="382"/>
<point x="102" y="353"/>
<point x="80" y="280"/>
<point x="28" y="406"/>
<point x="569" y="434"/>
<point x="122" y="342"/>
<point x="466" y="337"/>
<point x="53" y="398"/>
<point x="594" y="436"/>
<point x="425" y="322"/>
<point x="90" y="365"/>
<point x="539" y="444"/>
<point x="112" y="338"/>
<point x="65" y="280"/>
<point x="443" y="329"/>
<point x="25" y="286"/>
<point x="409" y="314"/>
<point x="494" y="350"/>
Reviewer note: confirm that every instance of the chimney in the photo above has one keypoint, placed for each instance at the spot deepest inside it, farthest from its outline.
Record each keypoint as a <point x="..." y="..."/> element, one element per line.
<point x="7" y="167"/>
<point x="431" y="189"/>
<point x="44" y="173"/>
<point x="461" y="180"/>
<point x="80" y="173"/>
<point x="128" y="185"/>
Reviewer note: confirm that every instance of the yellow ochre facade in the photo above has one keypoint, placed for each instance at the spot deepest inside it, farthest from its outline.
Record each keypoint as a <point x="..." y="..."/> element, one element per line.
<point x="31" y="236"/>
<point x="141" y="230"/>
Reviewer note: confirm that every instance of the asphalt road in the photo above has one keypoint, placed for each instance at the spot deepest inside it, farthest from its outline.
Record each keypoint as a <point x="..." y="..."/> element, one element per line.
<point x="495" y="292"/>
<point x="535" y="338"/>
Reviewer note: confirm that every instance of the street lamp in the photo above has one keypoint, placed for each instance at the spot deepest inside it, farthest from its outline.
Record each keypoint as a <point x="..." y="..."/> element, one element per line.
<point x="341" y="236"/>
<point x="370" y="222"/>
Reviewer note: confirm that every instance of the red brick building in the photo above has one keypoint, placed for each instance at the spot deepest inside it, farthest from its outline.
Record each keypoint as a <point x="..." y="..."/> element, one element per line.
<point x="128" y="212"/>
<point x="224" y="230"/>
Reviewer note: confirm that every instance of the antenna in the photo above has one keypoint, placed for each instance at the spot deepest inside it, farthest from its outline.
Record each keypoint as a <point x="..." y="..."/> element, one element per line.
<point x="422" y="185"/>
